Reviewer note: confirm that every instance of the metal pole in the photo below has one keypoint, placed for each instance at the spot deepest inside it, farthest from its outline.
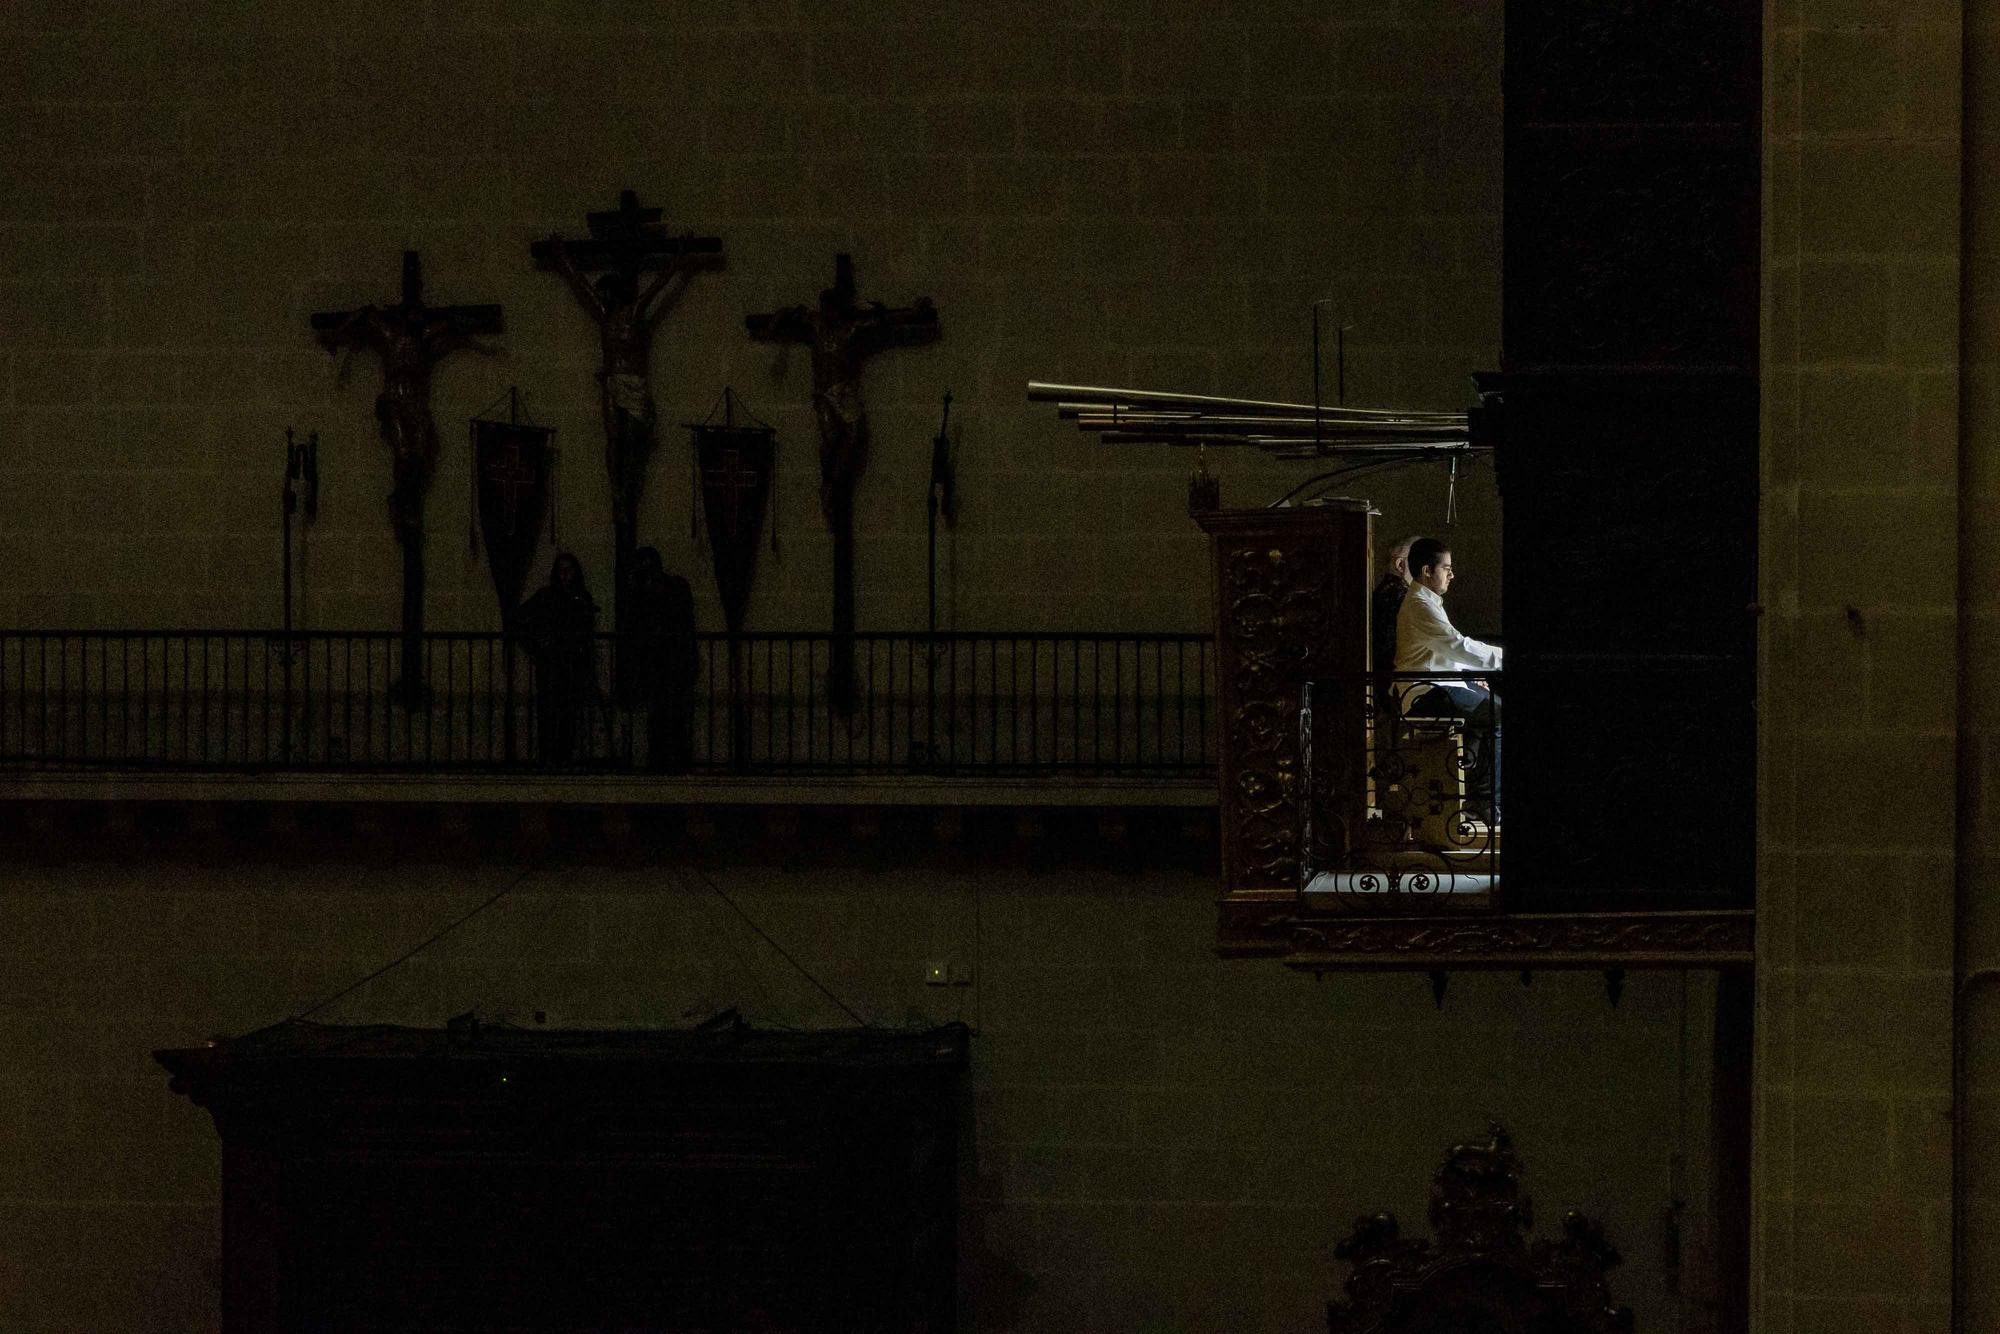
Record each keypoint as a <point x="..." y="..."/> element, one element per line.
<point x="291" y="501"/>
<point x="930" y="641"/>
<point x="1318" y="444"/>
<point x="940" y="479"/>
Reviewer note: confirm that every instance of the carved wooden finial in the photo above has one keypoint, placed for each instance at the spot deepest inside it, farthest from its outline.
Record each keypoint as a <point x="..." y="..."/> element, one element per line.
<point x="1481" y="1271"/>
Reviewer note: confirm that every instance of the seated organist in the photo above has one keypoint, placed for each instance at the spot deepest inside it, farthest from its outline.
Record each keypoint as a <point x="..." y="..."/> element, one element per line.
<point x="1426" y="641"/>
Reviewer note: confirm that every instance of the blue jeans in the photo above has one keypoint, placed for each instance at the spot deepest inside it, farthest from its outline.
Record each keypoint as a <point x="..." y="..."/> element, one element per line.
<point x="1481" y="711"/>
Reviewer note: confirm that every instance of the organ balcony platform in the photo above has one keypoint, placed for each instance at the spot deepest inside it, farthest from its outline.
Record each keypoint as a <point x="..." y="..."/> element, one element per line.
<point x="1360" y="830"/>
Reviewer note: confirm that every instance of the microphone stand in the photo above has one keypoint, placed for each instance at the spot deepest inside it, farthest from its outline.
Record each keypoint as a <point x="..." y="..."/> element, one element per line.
<point x="301" y="465"/>
<point x="290" y="507"/>
<point x="940" y="471"/>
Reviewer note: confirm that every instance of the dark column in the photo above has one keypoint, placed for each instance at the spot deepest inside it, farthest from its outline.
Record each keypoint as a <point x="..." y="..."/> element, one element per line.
<point x="1630" y="456"/>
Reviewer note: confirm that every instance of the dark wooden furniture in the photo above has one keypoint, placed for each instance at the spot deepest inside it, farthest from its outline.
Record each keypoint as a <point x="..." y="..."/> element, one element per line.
<point x="1291" y="603"/>
<point x="483" y="1178"/>
<point x="1481" y="1275"/>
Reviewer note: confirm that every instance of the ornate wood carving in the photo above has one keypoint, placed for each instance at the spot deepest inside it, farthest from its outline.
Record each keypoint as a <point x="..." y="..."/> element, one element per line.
<point x="1290" y="603"/>
<point x="1274" y="925"/>
<point x="1481" y="1272"/>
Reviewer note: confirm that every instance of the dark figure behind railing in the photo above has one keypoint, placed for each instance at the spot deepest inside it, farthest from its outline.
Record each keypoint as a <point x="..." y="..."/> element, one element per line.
<point x="559" y="624"/>
<point x="661" y="637"/>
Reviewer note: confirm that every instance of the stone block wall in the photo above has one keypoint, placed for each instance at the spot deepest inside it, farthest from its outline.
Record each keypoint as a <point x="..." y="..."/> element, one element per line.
<point x="1863" y="562"/>
<point x="1108" y="193"/>
<point x="1978" y="945"/>
<point x="1162" y="1140"/>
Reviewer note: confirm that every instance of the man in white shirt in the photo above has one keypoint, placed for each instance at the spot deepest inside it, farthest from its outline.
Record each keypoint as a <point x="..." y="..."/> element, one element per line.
<point x="1427" y="641"/>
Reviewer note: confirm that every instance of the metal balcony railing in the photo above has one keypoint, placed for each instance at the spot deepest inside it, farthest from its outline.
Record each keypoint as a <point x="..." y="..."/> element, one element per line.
<point x="1403" y="797"/>
<point x="1082" y="705"/>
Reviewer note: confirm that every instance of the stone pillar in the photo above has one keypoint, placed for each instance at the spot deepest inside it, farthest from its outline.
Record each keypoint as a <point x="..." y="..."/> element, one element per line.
<point x="1858" y="707"/>
<point x="1977" y="1220"/>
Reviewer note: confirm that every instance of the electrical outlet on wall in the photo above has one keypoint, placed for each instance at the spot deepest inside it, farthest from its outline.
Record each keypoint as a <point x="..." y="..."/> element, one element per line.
<point x="947" y="973"/>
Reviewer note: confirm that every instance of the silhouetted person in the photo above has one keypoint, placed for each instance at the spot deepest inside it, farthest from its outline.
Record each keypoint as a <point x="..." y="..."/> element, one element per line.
<point x="560" y="625"/>
<point x="662" y="642"/>
<point x="1385" y="602"/>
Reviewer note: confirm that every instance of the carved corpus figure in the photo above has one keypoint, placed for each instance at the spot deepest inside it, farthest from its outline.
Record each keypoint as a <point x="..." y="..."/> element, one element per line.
<point x="410" y="338"/>
<point x="640" y="272"/>
<point x="842" y="334"/>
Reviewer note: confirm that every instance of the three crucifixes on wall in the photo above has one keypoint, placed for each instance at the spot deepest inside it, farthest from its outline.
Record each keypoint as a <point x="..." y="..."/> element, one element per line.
<point x="628" y="273"/>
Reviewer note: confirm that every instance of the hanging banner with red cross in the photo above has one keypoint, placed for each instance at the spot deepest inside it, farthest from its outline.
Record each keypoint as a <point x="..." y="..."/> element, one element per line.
<point x="735" y="461"/>
<point x="514" y="464"/>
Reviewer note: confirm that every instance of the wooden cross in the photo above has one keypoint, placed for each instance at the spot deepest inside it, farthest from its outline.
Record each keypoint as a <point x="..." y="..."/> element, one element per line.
<point x="843" y="333"/>
<point x="410" y="338"/>
<point x="627" y="237"/>
<point x="627" y="275"/>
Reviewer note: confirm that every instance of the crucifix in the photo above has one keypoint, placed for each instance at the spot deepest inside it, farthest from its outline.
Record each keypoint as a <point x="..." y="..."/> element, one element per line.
<point x="843" y="333"/>
<point x="410" y="338"/>
<point x="627" y="275"/>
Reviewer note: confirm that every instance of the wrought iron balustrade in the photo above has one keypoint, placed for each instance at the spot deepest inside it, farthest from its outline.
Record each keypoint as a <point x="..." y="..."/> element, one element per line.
<point x="1402" y="778"/>
<point x="957" y="703"/>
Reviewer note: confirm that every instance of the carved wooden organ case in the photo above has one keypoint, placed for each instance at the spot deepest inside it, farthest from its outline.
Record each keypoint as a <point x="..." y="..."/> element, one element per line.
<point x="1291" y="606"/>
<point x="1291" y="603"/>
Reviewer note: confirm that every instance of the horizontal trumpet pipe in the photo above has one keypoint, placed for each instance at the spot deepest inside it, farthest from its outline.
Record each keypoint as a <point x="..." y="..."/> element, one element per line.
<point x="1095" y="420"/>
<point x="1412" y="448"/>
<point x="1096" y="412"/>
<point x="1040" y="391"/>
<point x="1395" y="437"/>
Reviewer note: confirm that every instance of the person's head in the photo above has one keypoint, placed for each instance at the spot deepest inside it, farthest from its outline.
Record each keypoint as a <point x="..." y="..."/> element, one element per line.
<point x="1430" y="564"/>
<point x="566" y="572"/>
<point x="1399" y="558"/>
